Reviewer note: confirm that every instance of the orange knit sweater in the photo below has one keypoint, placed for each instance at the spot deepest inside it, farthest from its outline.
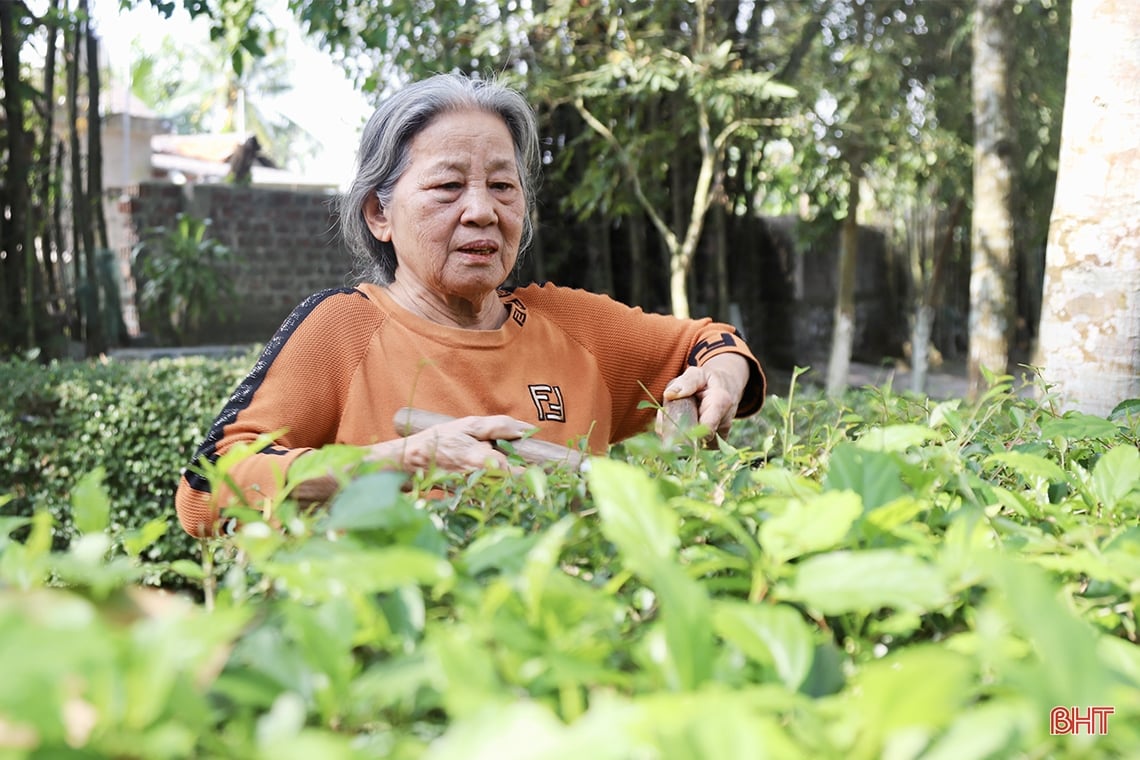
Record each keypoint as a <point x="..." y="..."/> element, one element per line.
<point x="571" y="362"/>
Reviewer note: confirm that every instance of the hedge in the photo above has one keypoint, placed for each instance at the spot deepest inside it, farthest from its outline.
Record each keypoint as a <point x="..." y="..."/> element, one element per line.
<point x="140" y="421"/>
<point x="885" y="578"/>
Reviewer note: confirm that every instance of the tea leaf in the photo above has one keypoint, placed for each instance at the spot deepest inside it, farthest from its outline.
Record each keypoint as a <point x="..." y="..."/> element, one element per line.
<point x="1116" y="475"/>
<point x="633" y="514"/>
<point x="810" y="526"/>
<point x="541" y="562"/>
<point x="357" y="570"/>
<point x="503" y="548"/>
<point x="1075" y="426"/>
<point x="865" y="581"/>
<point x="1068" y="670"/>
<point x="188" y="569"/>
<point x="369" y="502"/>
<point x="769" y="632"/>
<point x="686" y="616"/>
<point x="919" y="687"/>
<point x="135" y="541"/>
<point x="896" y="437"/>
<point x="91" y="507"/>
<point x="1028" y="465"/>
<point x="874" y="475"/>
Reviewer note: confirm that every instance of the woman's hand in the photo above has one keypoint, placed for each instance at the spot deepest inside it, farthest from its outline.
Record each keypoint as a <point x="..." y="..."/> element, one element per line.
<point x="460" y="445"/>
<point x="717" y="385"/>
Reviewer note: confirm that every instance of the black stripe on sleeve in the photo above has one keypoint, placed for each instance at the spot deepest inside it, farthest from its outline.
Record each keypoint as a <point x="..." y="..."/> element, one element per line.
<point x="243" y="394"/>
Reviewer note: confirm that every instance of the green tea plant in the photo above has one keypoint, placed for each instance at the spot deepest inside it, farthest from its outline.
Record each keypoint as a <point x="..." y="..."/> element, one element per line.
<point x="880" y="576"/>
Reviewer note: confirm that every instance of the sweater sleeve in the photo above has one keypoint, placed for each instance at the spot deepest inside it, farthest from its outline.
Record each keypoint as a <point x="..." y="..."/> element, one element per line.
<point x="295" y="393"/>
<point x="638" y="353"/>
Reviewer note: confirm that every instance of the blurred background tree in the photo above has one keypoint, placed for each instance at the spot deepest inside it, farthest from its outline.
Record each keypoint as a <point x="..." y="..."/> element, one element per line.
<point x="665" y="126"/>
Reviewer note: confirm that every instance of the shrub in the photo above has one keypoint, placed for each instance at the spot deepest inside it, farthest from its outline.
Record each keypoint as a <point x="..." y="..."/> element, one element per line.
<point x="183" y="277"/>
<point x="141" y="421"/>
<point x="882" y="577"/>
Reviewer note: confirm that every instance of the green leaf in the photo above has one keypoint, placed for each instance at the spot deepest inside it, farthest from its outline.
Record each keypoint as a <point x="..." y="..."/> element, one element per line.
<point x="1115" y="475"/>
<point x="983" y="731"/>
<point x="541" y="561"/>
<point x="1028" y="465"/>
<point x="347" y="570"/>
<point x="1067" y="670"/>
<point x="525" y="729"/>
<point x="897" y="437"/>
<point x="875" y="476"/>
<point x="1125" y="409"/>
<point x="686" y="616"/>
<point x="283" y="722"/>
<point x="634" y="516"/>
<point x="644" y="530"/>
<point x="865" y="581"/>
<point x="1078" y="426"/>
<point x="773" y="633"/>
<point x="188" y="569"/>
<point x="819" y="523"/>
<point x="136" y="541"/>
<point x="503" y="548"/>
<point x="785" y="482"/>
<point x="91" y="507"/>
<point x="370" y="502"/>
<point x="918" y="687"/>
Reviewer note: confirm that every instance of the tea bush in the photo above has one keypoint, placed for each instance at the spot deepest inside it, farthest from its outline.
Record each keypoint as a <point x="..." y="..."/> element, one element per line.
<point x="885" y="577"/>
<point x="140" y="421"/>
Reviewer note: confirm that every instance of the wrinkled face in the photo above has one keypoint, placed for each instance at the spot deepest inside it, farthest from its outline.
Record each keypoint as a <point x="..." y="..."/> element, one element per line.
<point x="456" y="215"/>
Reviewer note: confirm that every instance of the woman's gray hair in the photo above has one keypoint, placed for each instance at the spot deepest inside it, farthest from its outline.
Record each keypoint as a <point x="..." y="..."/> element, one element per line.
<point x="383" y="156"/>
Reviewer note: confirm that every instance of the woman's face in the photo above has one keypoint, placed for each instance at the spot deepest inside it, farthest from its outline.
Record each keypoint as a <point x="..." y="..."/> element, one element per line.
<point x="456" y="215"/>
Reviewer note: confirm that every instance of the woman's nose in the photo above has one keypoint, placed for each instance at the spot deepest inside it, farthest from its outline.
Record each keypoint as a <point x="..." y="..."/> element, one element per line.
<point x="479" y="206"/>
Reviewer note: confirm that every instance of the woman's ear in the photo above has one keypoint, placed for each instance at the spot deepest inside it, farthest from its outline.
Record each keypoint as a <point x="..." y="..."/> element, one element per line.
<point x="376" y="219"/>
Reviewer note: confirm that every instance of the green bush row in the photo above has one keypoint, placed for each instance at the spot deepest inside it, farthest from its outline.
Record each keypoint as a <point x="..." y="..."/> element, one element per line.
<point x="140" y="421"/>
<point x="885" y="577"/>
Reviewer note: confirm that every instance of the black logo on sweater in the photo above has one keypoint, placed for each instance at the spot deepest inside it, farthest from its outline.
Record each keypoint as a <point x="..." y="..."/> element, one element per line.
<point x="705" y="347"/>
<point x="517" y="310"/>
<point x="548" y="402"/>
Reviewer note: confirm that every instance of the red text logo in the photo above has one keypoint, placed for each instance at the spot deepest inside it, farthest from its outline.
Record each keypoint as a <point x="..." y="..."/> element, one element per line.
<point x="1074" y="720"/>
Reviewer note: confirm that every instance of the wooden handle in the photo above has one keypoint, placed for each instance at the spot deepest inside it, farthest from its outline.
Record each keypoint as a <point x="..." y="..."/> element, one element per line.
<point x="676" y="418"/>
<point x="531" y="450"/>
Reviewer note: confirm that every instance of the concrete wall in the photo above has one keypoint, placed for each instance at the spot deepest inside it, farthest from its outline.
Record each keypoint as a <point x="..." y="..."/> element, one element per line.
<point x="787" y="293"/>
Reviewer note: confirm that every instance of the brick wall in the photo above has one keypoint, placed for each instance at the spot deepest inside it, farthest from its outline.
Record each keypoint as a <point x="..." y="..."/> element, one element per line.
<point x="285" y="243"/>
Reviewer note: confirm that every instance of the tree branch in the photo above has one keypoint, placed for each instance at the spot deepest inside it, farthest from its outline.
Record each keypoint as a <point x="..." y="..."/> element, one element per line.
<point x="627" y="164"/>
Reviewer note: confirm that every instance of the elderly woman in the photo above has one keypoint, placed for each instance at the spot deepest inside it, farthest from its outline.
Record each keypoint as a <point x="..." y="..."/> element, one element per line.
<point x="440" y="208"/>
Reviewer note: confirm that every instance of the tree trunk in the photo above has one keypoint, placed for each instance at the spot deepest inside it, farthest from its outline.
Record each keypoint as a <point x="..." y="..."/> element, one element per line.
<point x="19" y="296"/>
<point x="95" y="144"/>
<point x="678" y="272"/>
<point x="44" y="225"/>
<point x="991" y="268"/>
<point x="1089" y="344"/>
<point x="843" y="331"/>
<point x="929" y="271"/>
